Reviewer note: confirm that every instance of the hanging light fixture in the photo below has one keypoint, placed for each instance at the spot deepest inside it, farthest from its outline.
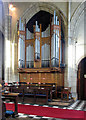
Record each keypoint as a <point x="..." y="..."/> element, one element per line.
<point x="11" y="7"/>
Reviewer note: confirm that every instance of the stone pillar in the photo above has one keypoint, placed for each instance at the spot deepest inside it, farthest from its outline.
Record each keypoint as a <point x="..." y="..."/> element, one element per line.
<point x="1" y="53"/>
<point x="0" y="42"/>
<point x="0" y="58"/>
<point x="71" y="72"/>
<point x="69" y="47"/>
<point x="8" y="20"/>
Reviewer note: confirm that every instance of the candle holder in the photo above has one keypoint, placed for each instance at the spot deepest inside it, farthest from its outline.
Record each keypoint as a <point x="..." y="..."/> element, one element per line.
<point x="31" y="80"/>
<point x="6" y="89"/>
<point x="17" y="84"/>
<point x="39" y="84"/>
<point x="27" y="85"/>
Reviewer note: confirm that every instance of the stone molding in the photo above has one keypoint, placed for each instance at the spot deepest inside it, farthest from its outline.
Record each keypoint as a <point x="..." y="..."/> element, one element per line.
<point x="36" y="7"/>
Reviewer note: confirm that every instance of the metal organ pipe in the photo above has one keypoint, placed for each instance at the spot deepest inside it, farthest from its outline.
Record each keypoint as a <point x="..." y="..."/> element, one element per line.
<point x="27" y="57"/>
<point x="27" y="33"/>
<point x="55" y="42"/>
<point x="46" y="49"/>
<point x="37" y="42"/>
<point x="29" y="50"/>
<point x="20" y="46"/>
<point x="21" y="55"/>
<point x="57" y="50"/>
<point x="54" y="17"/>
<point x="31" y="55"/>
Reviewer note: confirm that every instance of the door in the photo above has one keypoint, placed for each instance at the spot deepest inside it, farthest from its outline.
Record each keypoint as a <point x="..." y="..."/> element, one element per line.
<point x="84" y="88"/>
<point x="81" y="80"/>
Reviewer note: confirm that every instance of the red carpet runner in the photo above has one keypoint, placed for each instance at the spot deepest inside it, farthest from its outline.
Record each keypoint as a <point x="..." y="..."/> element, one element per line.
<point x="49" y="111"/>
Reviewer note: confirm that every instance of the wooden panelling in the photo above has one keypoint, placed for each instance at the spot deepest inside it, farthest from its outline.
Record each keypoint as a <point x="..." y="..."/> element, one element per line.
<point x="23" y="77"/>
<point x="42" y="78"/>
<point x="37" y="64"/>
<point x="34" y="77"/>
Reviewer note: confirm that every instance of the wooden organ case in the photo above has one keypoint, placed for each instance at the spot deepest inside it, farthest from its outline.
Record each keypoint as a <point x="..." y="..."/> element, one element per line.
<point x="40" y="54"/>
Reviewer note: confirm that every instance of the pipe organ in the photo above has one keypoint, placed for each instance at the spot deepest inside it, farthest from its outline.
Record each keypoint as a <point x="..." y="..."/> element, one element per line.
<point x="40" y="52"/>
<point x="21" y="46"/>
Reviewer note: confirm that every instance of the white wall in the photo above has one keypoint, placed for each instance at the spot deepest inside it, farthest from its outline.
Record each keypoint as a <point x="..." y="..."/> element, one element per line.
<point x="76" y="48"/>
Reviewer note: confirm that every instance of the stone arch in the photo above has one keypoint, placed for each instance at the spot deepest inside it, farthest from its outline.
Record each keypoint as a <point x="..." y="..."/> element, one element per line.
<point x="75" y="21"/>
<point x="75" y="18"/>
<point x="82" y="57"/>
<point x="48" y="7"/>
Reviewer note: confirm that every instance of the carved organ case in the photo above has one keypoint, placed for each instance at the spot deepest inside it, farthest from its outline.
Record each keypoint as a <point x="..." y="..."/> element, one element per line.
<point x="40" y="53"/>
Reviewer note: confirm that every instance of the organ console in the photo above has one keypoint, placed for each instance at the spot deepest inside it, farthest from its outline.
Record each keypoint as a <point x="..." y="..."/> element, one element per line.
<point x="40" y="53"/>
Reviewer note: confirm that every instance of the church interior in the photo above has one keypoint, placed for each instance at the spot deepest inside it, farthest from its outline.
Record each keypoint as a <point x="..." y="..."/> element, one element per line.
<point x="43" y="60"/>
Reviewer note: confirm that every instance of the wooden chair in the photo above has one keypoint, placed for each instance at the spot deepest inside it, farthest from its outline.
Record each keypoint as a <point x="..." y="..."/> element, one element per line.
<point x="65" y="93"/>
<point x="59" y="90"/>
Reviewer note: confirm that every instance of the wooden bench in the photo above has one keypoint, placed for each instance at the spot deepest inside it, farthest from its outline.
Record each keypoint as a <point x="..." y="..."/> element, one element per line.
<point x="31" y="90"/>
<point x="28" y="92"/>
<point x="43" y="93"/>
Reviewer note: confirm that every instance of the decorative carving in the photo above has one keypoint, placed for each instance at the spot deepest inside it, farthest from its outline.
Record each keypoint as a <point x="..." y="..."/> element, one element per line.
<point x="46" y="40"/>
<point x="30" y="42"/>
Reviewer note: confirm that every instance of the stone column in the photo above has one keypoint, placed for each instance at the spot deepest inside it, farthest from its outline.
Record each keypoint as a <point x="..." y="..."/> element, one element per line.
<point x="71" y="72"/>
<point x="0" y="58"/>
<point x="8" y="20"/>
<point x="69" y="47"/>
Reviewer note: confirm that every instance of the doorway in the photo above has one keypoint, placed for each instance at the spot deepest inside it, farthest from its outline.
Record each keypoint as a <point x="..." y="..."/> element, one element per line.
<point x="81" y="79"/>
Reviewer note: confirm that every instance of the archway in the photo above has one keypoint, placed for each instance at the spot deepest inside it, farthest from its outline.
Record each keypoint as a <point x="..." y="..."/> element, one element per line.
<point x="81" y="79"/>
<point x="47" y="7"/>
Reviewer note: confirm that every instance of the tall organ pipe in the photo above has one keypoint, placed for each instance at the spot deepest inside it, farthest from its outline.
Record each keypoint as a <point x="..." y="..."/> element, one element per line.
<point x="46" y="47"/>
<point x="21" y="49"/>
<point x="55" y="42"/>
<point x="20" y="46"/>
<point x="37" y="43"/>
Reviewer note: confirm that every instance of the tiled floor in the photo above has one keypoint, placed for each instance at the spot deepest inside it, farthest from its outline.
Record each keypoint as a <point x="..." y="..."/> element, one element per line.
<point x="32" y="117"/>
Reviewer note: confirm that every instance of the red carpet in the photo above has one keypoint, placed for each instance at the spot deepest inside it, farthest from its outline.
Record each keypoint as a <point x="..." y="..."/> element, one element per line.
<point x="48" y="111"/>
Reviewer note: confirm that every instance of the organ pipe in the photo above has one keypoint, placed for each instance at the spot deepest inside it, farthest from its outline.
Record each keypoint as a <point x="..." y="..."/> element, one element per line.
<point x="29" y="51"/>
<point x="54" y="42"/>
<point x="21" y="48"/>
<point x="46" y="49"/>
<point x="37" y="42"/>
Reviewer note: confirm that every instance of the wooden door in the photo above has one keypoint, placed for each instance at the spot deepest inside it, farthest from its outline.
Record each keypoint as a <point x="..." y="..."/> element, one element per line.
<point x="81" y="80"/>
<point x="84" y="88"/>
